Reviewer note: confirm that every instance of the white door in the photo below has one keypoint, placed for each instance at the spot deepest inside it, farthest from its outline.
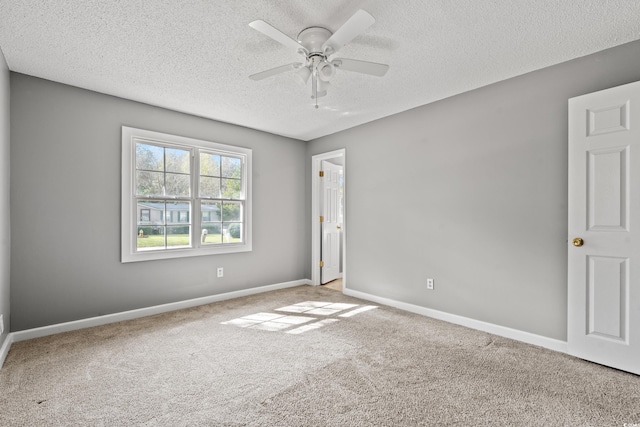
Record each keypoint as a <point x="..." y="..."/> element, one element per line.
<point x="604" y="211"/>
<point x="331" y="225"/>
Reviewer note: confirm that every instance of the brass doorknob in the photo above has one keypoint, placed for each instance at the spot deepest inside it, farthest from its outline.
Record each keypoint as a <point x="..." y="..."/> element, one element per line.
<point x="338" y="227"/>
<point x="578" y="242"/>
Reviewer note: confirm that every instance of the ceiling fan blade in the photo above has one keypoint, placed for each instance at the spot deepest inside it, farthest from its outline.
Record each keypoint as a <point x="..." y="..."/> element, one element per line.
<point x="275" y="34"/>
<point x="272" y="72"/>
<point x="364" y="67"/>
<point x="359" y="21"/>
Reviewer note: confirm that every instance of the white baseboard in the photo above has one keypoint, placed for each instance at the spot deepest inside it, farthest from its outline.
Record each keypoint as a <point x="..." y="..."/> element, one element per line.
<point x="147" y="311"/>
<point x="502" y="331"/>
<point x="526" y="337"/>
<point x="4" y="350"/>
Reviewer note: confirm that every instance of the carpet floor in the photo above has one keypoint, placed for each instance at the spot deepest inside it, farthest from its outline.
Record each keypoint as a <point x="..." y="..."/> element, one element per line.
<point x="304" y="356"/>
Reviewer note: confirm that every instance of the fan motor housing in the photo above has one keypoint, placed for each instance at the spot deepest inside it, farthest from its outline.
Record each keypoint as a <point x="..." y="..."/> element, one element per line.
<point x="313" y="38"/>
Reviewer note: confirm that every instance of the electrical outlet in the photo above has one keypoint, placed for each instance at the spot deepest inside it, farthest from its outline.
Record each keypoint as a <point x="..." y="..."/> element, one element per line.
<point x="220" y="272"/>
<point x="1" y="323"/>
<point x="429" y="283"/>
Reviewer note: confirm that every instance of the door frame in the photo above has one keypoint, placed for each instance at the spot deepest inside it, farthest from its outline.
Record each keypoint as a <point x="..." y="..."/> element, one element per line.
<point x="316" y="162"/>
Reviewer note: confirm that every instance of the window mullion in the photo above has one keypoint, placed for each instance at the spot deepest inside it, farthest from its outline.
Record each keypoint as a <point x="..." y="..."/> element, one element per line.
<point x="164" y="177"/>
<point x="196" y="219"/>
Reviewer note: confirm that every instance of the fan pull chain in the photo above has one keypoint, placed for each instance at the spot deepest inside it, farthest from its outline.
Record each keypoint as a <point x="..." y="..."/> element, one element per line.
<point x="315" y="85"/>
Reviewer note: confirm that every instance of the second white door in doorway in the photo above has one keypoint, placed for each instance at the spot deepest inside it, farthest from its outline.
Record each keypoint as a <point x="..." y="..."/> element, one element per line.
<point x="332" y="221"/>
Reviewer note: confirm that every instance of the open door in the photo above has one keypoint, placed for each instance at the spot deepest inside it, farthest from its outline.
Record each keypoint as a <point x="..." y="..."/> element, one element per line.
<point x="604" y="227"/>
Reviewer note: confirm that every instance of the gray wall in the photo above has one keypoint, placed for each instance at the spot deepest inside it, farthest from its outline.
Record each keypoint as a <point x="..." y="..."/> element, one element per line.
<point x="472" y="191"/>
<point x="65" y="190"/>
<point x="5" y="225"/>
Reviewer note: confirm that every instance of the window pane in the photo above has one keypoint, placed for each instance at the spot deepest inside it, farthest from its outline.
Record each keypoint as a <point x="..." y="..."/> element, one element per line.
<point x="151" y="241"/>
<point x="231" y="167"/>
<point x="211" y="225"/>
<point x="177" y="211"/>
<point x="231" y="211"/>
<point x="231" y="188"/>
<point x="178" y="236"/>
<point x="210" y="211"/>
<point x="233" y="232"/>
<point x="209" y="187"/>
<point x="149" y="157"/>
<point x="177" y="160"/>
<point x="210" y="233"/>
<point x="149" y="183"/>
<point x="177" y="185"/>
<point x="150" y="212"/>
<point x="209" y="164"/>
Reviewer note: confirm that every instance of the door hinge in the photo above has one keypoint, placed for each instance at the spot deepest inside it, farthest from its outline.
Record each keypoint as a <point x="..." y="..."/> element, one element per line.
<point x="321" y="174"/>
<point x="321" y="218"/>
<point x="321" y="263"/>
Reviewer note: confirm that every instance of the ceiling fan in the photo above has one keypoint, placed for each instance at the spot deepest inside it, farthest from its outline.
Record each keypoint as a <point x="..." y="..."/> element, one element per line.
<point x="318" y="45"/>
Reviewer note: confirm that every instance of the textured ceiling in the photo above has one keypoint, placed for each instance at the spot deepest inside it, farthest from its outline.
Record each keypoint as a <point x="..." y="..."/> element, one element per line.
<point x="195" y="56"/>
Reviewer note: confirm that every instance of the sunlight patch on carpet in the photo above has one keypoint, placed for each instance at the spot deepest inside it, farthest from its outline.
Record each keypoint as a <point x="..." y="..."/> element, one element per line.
<point x="359" y="310"/>
<point x="278" y="322"/>
<point x="312" y="326"/>
<point x="268" y="321"/>
<point x="316" y="307"/>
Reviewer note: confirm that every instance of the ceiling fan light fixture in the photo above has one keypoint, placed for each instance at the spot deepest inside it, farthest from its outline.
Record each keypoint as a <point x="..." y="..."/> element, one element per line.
<point x="325" y="70"/>
<point x="303" y="74"/>
<point x="323" y="86"/>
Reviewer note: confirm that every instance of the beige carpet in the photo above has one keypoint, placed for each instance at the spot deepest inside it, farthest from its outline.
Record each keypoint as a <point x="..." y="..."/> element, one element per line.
<point x="378" y="367"/>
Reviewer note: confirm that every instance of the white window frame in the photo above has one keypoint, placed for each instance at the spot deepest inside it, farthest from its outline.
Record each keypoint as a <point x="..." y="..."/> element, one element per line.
<point x="129" y="213"/>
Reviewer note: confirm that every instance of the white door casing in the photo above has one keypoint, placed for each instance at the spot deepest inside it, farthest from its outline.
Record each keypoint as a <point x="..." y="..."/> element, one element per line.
<point x="331" y="225"/>
<point x="604" y="210"/>
<point x="316" y="234"/>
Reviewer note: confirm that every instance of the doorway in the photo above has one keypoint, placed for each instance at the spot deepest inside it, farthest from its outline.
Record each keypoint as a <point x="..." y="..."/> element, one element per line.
<point x="328" y="217"/>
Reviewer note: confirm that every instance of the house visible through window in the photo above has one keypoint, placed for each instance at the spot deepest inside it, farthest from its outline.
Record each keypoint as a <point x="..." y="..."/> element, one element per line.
<point x="183" y="197"/>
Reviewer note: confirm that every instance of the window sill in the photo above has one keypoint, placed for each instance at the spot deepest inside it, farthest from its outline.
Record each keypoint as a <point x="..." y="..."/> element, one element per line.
<point x="151" y="255"/>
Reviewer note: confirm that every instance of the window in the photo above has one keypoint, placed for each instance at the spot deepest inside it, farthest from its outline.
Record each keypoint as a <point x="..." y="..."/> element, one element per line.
<point x="183" y="197"/>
